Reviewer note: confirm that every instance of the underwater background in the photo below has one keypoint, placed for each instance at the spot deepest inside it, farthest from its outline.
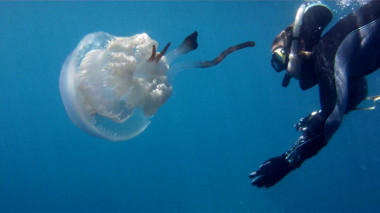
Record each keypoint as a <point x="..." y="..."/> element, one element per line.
<point x="219" y="125"/>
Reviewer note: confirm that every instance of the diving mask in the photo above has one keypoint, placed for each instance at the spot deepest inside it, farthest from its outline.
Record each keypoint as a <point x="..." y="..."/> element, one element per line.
<point x="279" y="59"/>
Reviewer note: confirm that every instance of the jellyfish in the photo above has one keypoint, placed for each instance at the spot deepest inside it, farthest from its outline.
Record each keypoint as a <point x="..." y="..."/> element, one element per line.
<point x="112" y="86"/>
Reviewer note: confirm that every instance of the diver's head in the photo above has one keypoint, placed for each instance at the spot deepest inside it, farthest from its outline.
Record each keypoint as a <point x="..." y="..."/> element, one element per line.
<point x="295" y="42"/>
<point x="285" y="49"/>
<point x="281" y="48"/>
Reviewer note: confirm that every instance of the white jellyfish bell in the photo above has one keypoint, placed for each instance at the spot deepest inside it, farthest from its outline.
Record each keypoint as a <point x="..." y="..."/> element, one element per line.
<point x="112" y="86"/>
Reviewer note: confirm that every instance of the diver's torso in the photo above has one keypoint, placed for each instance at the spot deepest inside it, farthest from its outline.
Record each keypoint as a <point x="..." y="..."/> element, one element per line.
<point x="344" y="53"/>
<point x="358" y="34"/>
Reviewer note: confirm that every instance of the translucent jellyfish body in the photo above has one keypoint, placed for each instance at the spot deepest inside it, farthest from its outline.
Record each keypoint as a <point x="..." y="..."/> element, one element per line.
<point x="112" y="86"/>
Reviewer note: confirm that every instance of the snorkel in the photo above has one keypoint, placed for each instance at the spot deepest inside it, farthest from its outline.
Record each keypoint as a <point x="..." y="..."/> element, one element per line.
<point x="294" y="65"/>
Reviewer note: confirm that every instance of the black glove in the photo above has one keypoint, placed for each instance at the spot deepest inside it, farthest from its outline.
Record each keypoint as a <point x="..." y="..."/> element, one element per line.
<point x="271" y="171"/>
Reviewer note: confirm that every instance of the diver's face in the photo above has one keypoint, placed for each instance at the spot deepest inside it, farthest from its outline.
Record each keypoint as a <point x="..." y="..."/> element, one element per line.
<point x="281" y="48"/>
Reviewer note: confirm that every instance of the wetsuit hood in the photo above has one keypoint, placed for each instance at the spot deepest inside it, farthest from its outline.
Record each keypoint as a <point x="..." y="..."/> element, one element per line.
<point x="301" y="36"/>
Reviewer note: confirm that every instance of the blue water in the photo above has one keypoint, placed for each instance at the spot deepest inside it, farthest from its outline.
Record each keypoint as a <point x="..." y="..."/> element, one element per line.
<point x="219" y="125"/>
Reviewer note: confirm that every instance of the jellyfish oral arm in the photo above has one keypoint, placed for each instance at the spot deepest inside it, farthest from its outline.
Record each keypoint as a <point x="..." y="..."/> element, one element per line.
<point x="225" y="53"/>
<point x="157" y="58"/>
<point x="190" y="43"/>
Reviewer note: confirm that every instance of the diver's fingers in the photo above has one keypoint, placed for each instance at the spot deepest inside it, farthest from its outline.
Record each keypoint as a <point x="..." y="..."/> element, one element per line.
<point x="259" y="181"/>
<point x="253" y="174"/>
<point x="221" y="56"/>
<point x="256" y="173"/>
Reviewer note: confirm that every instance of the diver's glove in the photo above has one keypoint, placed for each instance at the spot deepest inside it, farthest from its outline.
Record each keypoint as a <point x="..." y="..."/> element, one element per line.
<point x="310" y="142"/>
<point x="271" y="171"/>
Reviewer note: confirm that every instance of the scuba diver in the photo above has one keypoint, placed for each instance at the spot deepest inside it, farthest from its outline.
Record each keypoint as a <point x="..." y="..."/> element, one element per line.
<point x="338" y="62"/>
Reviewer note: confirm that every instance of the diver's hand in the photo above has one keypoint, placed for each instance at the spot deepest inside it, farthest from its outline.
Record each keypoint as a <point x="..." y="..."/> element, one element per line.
<point x="270" y="172"/>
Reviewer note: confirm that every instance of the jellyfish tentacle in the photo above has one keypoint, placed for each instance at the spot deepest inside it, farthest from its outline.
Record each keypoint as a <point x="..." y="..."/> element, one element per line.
<point x="153" y="56"/>
<point x="162" y="53"/>
<point x="174" y="69"/>
<point x="190" y="43"/>
<point x="225" y="53"/>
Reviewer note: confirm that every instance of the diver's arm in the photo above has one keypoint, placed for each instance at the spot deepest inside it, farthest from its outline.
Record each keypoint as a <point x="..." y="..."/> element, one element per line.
<point x="313" y="127"/>
<point x="311" y="141"/>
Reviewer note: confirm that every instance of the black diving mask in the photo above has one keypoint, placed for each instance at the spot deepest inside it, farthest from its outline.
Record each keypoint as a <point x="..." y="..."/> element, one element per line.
<point x="279" y="59"/>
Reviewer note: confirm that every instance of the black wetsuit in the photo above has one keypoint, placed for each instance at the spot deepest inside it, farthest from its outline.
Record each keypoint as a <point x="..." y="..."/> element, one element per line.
<point x="341" y="58"/>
